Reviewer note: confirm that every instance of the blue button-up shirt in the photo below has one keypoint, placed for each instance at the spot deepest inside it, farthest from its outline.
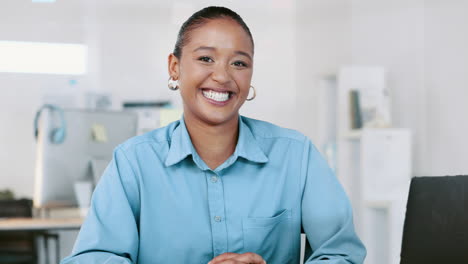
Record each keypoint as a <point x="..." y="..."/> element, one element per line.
<point x="158" y="202"/>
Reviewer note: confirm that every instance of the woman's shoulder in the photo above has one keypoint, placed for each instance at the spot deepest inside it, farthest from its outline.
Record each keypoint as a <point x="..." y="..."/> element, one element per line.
<point x="264" y="129"/>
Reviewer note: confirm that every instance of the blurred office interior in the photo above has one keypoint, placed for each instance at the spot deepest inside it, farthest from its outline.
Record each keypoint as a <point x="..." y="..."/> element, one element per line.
<point x="115" y="58"/>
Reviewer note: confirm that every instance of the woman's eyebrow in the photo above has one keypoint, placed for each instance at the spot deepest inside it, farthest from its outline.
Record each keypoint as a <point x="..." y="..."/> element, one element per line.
<point x="243" y="53"/>
<point x="204" y="48"/>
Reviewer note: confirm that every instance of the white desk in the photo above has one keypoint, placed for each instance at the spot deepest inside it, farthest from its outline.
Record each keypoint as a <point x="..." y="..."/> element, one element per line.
<point x="42" y="227"/>
<point x="40" y="224"/>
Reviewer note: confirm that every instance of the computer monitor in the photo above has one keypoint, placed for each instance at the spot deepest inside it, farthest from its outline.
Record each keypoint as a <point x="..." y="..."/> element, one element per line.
<point x="90" y="139"/>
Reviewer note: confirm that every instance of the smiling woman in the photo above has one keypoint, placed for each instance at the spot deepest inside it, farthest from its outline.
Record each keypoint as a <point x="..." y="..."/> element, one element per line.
<point x="216" y="187"/>
<point x="217" y="61"/>
<point x="214" y="70"/>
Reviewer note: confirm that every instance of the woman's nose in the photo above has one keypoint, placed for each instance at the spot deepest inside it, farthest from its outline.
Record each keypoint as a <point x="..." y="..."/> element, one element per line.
<point x="221" y="74"/>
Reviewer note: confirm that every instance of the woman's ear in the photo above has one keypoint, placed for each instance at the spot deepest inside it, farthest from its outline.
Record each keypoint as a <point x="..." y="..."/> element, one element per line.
<point x="173" y="66"/>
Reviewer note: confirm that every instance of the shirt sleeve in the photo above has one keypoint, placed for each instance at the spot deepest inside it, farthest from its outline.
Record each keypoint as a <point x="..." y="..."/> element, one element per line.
<point x="110" y="232"/>
<point x="327" y="217"/>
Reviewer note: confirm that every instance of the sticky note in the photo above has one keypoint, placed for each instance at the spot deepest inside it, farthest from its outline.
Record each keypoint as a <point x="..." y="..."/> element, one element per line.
<point x="99" y="133"/>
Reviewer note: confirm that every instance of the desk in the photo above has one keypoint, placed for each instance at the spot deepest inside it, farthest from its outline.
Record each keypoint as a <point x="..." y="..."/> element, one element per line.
<point x="42" y="226"/>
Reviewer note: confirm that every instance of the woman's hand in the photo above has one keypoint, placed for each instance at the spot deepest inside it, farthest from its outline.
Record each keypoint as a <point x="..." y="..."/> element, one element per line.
<point x="234" y="258"/>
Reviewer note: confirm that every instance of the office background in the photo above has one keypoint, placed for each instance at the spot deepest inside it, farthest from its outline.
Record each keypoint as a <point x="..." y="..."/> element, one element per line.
<point x="421" y="44"/>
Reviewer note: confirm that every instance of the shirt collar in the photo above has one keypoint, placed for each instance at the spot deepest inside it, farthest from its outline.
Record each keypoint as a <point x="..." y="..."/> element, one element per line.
<point x="180" y="144"/>
<point x="247" y="147"/>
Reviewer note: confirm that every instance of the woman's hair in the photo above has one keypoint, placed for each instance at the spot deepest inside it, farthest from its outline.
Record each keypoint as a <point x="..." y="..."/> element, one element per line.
<point x="202" y="17"/>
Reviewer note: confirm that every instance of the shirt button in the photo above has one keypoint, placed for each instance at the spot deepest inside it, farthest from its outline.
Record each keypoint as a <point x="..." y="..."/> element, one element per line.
<point x="217" y="218"/>
<point x="214" y="179"/>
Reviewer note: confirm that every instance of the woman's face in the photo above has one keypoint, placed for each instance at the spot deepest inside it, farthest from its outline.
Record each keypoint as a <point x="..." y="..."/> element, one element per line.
<point x="214" y="71"/>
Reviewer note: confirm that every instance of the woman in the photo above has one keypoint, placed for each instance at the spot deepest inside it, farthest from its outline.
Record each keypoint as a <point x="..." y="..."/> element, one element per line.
<point x="216" y="187"/>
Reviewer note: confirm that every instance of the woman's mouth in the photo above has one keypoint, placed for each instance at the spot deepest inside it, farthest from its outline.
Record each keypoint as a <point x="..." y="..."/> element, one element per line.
<point x="216" y="96"/>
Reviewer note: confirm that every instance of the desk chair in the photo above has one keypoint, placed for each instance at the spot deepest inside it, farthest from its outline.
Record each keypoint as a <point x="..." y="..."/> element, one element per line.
<point x="17" y="246"/>
<point x="436" y="223"/>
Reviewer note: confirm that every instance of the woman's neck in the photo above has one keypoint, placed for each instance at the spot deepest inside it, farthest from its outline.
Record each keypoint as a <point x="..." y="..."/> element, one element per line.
<point x="214" y="143"/>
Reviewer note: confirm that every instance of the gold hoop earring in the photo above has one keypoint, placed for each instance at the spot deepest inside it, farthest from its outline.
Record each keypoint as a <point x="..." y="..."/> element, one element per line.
<point x="254" y="94"/>
<point x="173" y="84"/>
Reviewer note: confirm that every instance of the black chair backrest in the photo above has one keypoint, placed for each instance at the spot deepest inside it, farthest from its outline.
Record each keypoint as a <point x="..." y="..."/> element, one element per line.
<point x="436" y="223"/>
<point x="16" y="208"/>
<point x="17" y="246"/>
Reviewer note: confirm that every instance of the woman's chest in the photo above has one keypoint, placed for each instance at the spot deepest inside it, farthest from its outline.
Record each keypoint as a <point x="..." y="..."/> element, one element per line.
<point x="207" y="213"/>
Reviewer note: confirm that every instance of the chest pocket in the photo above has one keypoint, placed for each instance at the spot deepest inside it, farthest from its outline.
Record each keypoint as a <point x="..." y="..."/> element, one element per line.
<point x="270" y="237"/>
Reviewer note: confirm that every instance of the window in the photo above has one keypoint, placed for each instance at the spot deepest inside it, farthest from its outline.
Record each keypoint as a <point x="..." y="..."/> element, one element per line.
<point x="41" y="57"/>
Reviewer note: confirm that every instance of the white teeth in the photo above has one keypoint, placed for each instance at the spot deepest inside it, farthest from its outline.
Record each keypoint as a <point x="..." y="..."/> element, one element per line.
<point x="217" y="96"/>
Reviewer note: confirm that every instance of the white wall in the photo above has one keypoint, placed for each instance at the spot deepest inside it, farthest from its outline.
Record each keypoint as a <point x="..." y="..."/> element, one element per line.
<point x="446" y="79"/>
<point x="421" y="43"/>
<point x="323" y="44"/>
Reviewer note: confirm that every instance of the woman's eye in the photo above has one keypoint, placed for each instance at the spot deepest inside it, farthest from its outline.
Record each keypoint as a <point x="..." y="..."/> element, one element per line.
<point x="239" y="64"/>
<point x="205" y="59"/>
